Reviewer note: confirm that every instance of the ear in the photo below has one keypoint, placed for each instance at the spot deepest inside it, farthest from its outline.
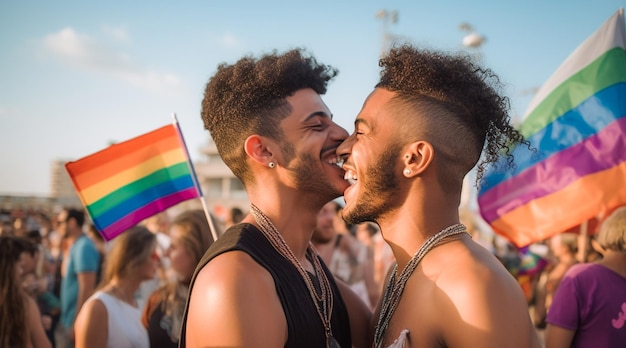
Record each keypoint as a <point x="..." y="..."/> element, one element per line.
<point x="258" y="148"/>
<point x="417" y="158"/>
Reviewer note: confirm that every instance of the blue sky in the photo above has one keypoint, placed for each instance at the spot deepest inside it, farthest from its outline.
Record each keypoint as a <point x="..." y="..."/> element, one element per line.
<point x="76" y="76"/>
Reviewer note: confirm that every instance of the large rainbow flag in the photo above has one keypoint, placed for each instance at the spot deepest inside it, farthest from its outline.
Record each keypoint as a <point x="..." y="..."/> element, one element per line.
<point x="127" y="182"/>
<point x="576" y="122"/>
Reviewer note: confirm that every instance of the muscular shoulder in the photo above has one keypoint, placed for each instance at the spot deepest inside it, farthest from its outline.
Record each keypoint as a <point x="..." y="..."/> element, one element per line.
<point x="473" y="293"/>
<point x="233" y="269"/>
<point x="234" y="302"/>
<point x="469" y="264"/>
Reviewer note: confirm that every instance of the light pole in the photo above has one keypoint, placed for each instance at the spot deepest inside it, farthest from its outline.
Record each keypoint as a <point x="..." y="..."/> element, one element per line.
<point x="388" y="17"/>
<point x="472" y="39"/>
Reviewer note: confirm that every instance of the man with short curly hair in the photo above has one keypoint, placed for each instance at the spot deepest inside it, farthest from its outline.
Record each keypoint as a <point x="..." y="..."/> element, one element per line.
<point x="420" y="131"/>
<point x="261" y="284"/>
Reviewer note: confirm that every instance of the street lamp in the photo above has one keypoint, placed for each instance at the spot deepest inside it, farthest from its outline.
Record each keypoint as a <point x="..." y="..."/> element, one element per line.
<point x="388" y="17"/>
<point x="472" y="39"/>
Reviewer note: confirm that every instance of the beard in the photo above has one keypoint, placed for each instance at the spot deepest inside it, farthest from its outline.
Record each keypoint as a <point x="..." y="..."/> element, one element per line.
<point x="308" y="177"/>
<point x="379" y="187"/>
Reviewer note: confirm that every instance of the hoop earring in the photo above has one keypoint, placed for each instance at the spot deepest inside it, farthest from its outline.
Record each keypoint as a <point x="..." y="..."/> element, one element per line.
<point x="271" y="164"/>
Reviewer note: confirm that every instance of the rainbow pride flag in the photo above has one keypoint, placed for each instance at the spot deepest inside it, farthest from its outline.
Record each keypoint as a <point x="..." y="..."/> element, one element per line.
<point x="576" y="122"/>
<point x="128" y="182"/>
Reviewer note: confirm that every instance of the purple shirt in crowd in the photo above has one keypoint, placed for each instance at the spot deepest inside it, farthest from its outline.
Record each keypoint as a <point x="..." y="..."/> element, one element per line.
<point x="591" y="300"/>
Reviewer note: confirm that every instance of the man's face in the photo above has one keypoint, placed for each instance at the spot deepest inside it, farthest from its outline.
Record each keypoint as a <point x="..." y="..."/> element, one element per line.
<point x="62" y="223"/>
<point x="325" y="229"/>
<point x="311" y="143"/>
<point x="373" y="158"/>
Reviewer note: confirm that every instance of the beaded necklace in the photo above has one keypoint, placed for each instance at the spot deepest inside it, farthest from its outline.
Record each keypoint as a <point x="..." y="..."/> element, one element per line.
<point x="394" y="289"/>
<point x="326" y="295"/>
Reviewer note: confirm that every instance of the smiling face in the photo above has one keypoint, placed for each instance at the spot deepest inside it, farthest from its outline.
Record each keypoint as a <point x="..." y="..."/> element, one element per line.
<point x="325" y="230"/>
<point x="309" y="149"/>
<point x="183" y="261"/>
<point x="372" y="161"/>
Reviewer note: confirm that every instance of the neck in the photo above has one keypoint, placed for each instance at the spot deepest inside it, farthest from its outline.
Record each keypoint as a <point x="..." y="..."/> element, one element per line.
<point x="73" y="236"/>
<point x="615" y="261"/>
<point x="125" y="289"/>
<point x="295" y="227"/>
<point x="406" y="231"/>
<point x="326" y="249"/>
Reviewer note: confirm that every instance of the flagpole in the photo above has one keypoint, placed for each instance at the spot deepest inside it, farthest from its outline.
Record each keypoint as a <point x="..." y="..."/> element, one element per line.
<point x="195" y="181"/>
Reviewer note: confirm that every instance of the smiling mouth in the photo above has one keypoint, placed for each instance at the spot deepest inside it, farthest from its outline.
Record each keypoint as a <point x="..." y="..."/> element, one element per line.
<point x="350" y="177"/>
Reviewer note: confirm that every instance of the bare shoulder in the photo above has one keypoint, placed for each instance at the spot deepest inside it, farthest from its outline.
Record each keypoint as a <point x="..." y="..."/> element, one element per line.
<point x="91" y="325"/>
<point x="33" y="321"/>
<point x="234" y="302"/>
<point x="478" y="300"/>
<point x="93" y="308"/>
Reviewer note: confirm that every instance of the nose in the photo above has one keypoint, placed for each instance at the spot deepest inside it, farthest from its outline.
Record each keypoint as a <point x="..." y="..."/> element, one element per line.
<point x="345" y="148"/>
<point x="339" y="133"/>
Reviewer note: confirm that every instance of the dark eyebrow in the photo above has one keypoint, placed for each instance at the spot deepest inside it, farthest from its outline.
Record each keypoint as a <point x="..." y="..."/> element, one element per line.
<point x="361" y="121"/>
<point x="318" y="114"/>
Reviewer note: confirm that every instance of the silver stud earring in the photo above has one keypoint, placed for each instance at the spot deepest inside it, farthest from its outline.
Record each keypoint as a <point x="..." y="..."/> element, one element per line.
<point x="407" y="172"/>
<point x="271" y="164"/>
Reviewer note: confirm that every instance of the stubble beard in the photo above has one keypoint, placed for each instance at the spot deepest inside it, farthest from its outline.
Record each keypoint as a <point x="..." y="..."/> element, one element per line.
<point x="379" y="187"/>
<point x="309" y="178"/>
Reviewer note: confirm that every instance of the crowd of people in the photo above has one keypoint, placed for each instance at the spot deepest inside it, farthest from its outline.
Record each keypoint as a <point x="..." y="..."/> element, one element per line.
<point x="140" y="294"/>
<point x="350" y="240"/>
<point x="132" y="291"/>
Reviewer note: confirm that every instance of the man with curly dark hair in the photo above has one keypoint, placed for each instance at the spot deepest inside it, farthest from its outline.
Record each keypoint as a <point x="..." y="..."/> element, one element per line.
<point x="420" y="131"/>
<point x="262" y="284"/>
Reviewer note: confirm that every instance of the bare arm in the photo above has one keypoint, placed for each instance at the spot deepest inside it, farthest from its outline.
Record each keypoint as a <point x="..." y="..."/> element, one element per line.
<point x="234" y="303"/>
<point x="360" y="316"/>
<point x="557" y="337"/>
<point x="86" y="286"/>
<point x="92" y="325"/>
<point x="373" y="290"/>
<point x="33" y="318"/>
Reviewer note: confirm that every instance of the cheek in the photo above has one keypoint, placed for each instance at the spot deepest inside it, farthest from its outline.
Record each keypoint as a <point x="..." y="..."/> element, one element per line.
<point x="181" y="261"/>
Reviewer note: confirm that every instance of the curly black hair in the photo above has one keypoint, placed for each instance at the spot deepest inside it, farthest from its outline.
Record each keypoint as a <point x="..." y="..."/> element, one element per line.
<point x="249" y="97"/>
<point x="460" y="103"/>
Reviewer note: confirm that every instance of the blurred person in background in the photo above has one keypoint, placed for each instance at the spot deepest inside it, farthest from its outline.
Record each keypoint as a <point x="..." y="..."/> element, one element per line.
<point x="20" y="319"/>
<point x="563" y="249"/>
<point x="162" y="316"/>
<point x="159" y="224"/>
<point x="35" y="281"/>
<point x="346" y="257"/>
<point x="111" y="317"/>
<point x="79" y="267"/>
<point x="102" y="247"/>
<point x="383" y="259"/>
<point x="234" y="216"/>
<point x="589" y="306"/>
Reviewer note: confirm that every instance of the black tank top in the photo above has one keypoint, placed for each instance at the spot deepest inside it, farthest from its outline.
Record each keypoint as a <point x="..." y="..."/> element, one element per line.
<point x="305" y="328"/>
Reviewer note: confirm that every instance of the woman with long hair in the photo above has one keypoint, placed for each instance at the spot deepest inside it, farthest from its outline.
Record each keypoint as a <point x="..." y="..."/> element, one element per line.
<point x="20" y="319"/>
<point x="190" y="237"/>
<point x="111" y="316"/>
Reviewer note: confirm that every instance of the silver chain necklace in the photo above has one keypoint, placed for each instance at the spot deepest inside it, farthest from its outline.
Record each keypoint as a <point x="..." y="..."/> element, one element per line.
<point x="326" y="295"/>
<point x="394" y="289"/>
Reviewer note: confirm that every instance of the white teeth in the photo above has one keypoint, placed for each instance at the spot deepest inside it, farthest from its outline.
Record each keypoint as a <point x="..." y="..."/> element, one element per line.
<point x="339" y="162"/>
<point x="336" y="161"/>
<point x="350" y="177"/>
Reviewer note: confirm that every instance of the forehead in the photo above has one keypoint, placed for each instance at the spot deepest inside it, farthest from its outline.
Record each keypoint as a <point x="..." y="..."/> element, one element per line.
<point x="328" y="208"/>
<point x="63" y="215"/>
<point x="305" y="103"/>
<point x="374" y="109"/>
